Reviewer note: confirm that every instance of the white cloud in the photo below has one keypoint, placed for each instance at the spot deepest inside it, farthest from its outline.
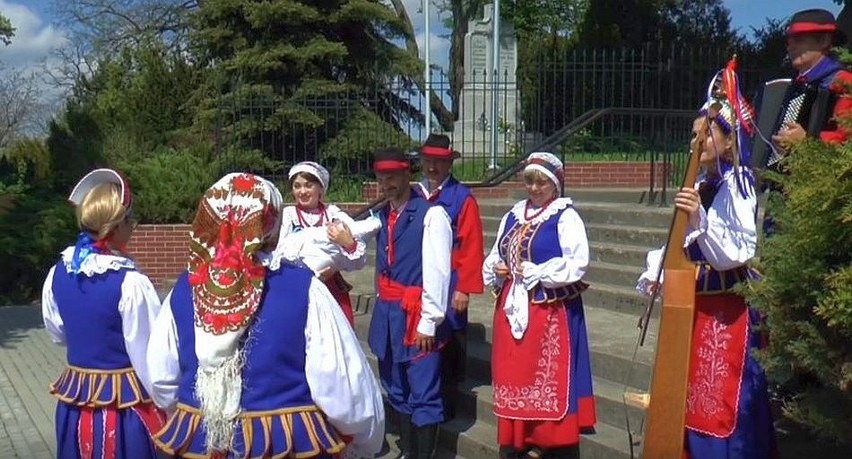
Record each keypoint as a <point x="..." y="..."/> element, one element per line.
<point x="34" y="38"/>
<point x="439" y="42"/>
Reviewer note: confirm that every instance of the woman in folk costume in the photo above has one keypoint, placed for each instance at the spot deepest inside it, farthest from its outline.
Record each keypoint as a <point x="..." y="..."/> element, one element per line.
<point x="252" y="355"/>
<point x="539" y="344"/>
<point x="728" y="413"/>
<point x="100" y="307"/>
<point x="322" y="237"/>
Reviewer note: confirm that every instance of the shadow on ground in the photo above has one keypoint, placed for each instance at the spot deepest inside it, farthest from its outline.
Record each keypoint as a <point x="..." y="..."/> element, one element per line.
<point x="16" y="321"/>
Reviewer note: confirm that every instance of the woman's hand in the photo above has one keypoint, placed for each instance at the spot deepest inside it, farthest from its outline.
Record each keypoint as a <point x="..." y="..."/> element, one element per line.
<point x="501" y="270"/>
<point x="339" y="233"/>
<point x="688" y="200"/>
<point x="651" y="288"/>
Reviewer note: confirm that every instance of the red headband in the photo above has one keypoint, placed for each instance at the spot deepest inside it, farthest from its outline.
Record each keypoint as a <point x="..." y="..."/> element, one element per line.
<point x="436" y="151"/>
<point x="386" y="165"/>
<point x="810" y="27"/>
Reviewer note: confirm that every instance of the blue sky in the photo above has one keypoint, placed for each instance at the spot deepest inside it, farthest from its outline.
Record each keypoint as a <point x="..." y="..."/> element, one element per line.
<point x="37" y="34"/>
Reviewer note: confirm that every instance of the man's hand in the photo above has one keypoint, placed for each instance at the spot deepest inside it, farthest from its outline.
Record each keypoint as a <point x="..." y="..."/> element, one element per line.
<point x="460" y="301"/>
<point x="424" y="342"/>
<point x="790" y="133"/>
<point x="688" y="200"/>
<point x="339" y="233"/>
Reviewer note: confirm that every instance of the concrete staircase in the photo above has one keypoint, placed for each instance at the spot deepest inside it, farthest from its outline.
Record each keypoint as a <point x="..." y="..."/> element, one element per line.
<point x="620" y="232"/>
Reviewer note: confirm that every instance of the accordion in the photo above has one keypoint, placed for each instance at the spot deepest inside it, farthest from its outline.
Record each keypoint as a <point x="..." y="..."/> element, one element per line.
<point x="783" y="101"/>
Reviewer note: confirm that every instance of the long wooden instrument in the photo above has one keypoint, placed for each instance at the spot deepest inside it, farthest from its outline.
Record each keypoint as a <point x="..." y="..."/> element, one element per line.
<point x="664" y="435"/>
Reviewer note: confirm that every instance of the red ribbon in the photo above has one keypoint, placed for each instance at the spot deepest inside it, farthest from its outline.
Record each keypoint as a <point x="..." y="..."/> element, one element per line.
<point x="390" y="165"/>
<point x="411" y="301"/>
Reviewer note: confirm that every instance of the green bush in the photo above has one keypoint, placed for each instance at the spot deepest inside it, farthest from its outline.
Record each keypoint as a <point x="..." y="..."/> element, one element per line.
<point x="806" y="293"/>
<point x="33" y="230"/>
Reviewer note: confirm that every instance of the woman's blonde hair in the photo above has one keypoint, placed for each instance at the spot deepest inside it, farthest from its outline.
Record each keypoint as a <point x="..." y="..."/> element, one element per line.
<point x="101" y="210"/>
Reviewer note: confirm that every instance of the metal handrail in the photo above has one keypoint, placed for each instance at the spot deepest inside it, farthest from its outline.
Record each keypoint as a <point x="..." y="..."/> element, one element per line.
<point x="550" y="143"/>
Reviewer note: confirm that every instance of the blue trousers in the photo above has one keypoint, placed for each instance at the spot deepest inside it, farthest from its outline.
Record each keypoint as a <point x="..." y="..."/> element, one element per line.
<point x="414" y="387"/>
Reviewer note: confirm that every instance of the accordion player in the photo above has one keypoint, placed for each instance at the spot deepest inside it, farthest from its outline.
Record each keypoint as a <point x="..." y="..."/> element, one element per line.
<point x="806" y="104"/>
<point x="809" y="105"/>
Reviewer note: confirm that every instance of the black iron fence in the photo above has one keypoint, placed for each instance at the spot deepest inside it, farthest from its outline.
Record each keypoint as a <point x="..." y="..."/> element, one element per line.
<point x="535" y="102"/>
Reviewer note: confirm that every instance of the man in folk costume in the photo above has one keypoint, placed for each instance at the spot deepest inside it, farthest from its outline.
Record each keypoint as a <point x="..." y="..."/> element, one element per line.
<point x="253" y="356"/>
<point x="412" y="282"/>
<point x="810" y="37"/>
<point x="440" y="187"/>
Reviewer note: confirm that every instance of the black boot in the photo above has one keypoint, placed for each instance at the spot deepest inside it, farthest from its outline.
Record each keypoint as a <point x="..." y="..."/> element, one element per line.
<point x="426" y="441"/>
<point x="568" y="452"/>
<point x="406" y="438"/>
<point x="507" y="452"/>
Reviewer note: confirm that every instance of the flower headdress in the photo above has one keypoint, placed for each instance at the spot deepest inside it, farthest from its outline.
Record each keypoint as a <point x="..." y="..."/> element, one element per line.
<point x="235" y="218"/>
<point x="726" y="106"/>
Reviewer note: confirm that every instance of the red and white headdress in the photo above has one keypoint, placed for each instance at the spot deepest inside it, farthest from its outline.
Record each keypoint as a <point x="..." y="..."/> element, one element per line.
<point x="235" y="218"/>
<point x="549" y="165"/>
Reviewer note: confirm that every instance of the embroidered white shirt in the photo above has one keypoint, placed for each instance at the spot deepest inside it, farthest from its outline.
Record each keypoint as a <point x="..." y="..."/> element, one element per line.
<point x="556" y="272"/>
<point x="726" y="232"/>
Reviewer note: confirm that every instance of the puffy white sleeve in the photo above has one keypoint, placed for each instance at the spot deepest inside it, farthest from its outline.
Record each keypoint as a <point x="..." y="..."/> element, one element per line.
<point x="727" y="231"/>
<point x="571" y="266"/>
<point x="53" y="323"/>
<point x="435" y="251"/>
<point x="488" y="276"/>
<point x="342" y="384"/>
<point x="139" y="306"/>
<point x="653" y="261"/>
<point x="163" y="359"/>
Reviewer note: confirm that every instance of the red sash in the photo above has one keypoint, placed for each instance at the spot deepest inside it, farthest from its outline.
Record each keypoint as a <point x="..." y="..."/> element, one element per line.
<point x="411" y="301"/>
<point x="719" y="351"/>
<point x="530" y="375"/>
<point x="151" y="418"/>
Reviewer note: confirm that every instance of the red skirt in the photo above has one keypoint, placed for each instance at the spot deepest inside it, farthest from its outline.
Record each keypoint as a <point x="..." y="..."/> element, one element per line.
<point x="542" y="383"/>
<point x="339" y="289"/>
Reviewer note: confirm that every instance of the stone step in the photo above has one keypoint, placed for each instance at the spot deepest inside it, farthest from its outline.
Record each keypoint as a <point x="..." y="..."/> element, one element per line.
<point x="622" y="234"/>
<point x="652" y="238"/>
<point x="620" y="254"/>
<point x="612" y="339"/>
<point x="491" y="212"/>
<point x="475" y="438"/>
<point x="614" y="274"/>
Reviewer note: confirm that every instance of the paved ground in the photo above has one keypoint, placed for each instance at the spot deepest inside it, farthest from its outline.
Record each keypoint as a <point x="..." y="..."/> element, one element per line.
<point x="29" y="362"/>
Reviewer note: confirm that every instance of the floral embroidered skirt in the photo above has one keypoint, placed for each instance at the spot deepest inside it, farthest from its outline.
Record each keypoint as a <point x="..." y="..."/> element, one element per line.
<point x="728" y="414"/>
<point x="542" y="382"/>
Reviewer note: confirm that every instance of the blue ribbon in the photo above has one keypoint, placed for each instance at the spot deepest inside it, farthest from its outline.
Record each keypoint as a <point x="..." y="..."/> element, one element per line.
<point x="82" y="249"/>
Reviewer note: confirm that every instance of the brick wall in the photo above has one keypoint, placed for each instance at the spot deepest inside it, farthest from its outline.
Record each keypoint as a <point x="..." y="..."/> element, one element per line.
<point x="617" y="174"/>
<point x="161" y="250"/>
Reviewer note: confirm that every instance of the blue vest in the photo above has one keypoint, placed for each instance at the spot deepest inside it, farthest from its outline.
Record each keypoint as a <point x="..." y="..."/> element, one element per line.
<point x="89" y="309"/>
<point x="538" y="243"/>
<point x="387" y="325"/>
<point x="274" y="369"/>
<point x="100" y="372"/>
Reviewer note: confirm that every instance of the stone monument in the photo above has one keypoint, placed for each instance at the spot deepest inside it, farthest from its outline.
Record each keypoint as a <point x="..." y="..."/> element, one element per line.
<point x="472" y="131"/>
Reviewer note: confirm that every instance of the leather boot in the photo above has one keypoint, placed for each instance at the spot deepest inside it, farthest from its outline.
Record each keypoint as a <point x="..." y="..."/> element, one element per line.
<point x="568" y="452"/>
<point x="507" y="452"/>
<point x="406" y="438"/>
<point x="426" y="441"/>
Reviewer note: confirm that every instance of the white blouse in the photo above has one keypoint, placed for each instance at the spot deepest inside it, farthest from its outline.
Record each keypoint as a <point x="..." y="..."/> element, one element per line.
<point x="309" y="247"/>
<point x="726" y="232"/>
<point x="139" y="304"/>
<point x="555" y="272"/>
<point x="341" y="381"/>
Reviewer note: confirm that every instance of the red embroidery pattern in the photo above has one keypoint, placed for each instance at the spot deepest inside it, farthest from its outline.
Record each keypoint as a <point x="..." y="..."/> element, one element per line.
<point x="542" y="394"/>
<point x="704" y="396"/>
<point x="716" y="368"/>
